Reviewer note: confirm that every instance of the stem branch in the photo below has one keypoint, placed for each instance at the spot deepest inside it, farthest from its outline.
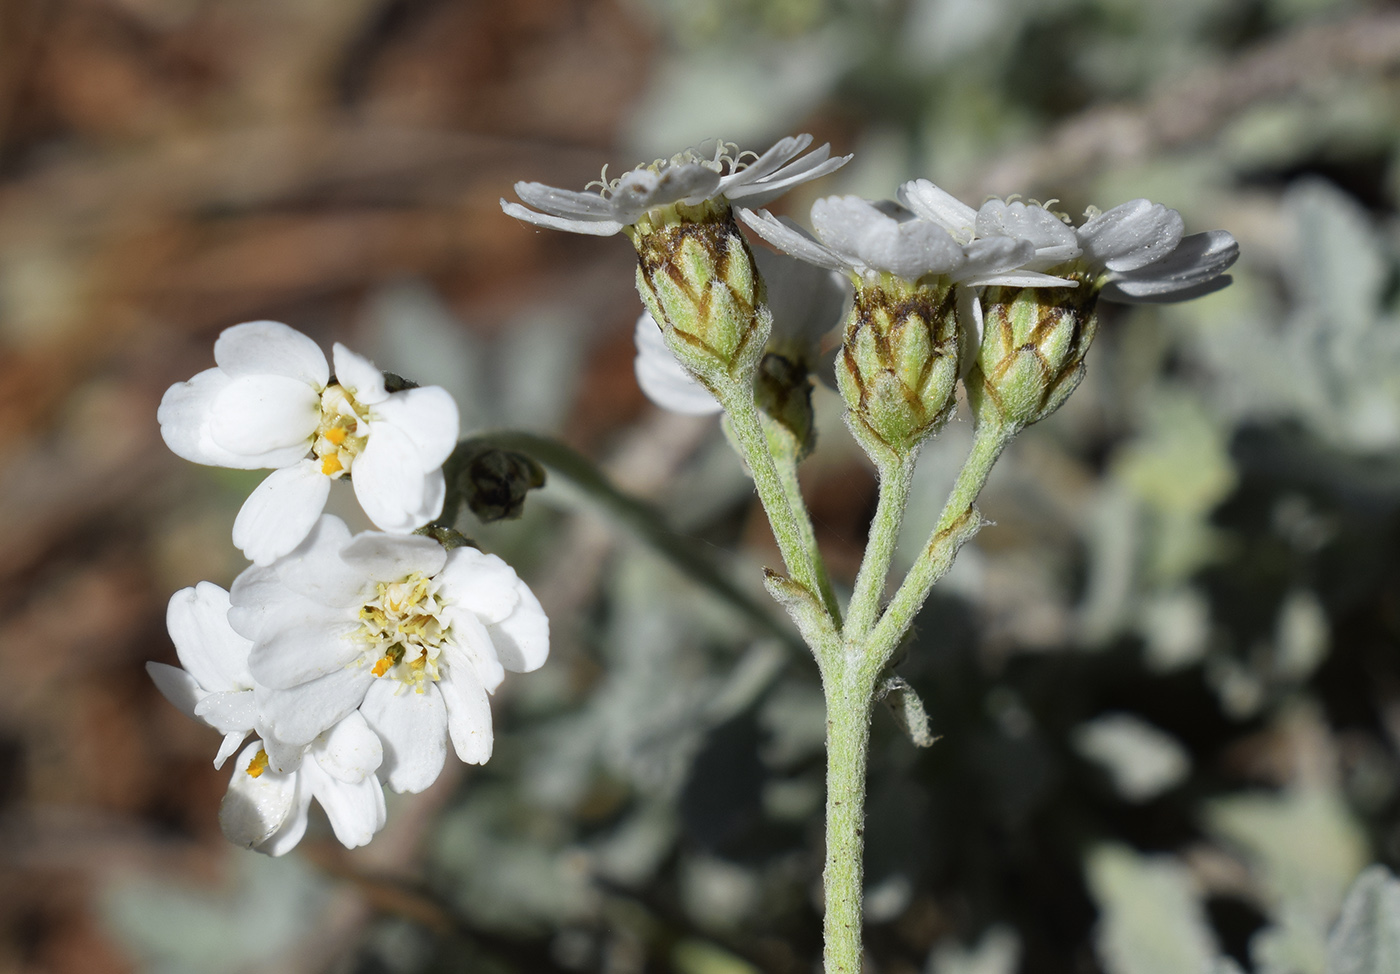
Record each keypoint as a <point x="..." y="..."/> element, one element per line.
<point x="895" y="478"/>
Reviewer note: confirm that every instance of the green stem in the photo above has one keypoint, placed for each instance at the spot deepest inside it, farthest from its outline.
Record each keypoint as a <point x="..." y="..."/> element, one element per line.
<point x="786" y="463"/>
<point x="742" y="413"/>
<point x="958" y="522"/>
<point x="895" y="479"/>
<point x="849" y="698"/>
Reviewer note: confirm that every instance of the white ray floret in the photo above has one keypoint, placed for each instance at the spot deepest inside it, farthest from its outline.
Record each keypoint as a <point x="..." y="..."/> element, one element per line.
<point x="270" y="402"/>
<point x="690" y="177"/>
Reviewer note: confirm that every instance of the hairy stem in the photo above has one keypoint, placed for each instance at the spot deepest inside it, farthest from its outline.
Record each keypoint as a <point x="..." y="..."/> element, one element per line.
<point x="895" y="478"/>
<point x="849" y="698"/>
<point x="786" y="463"/>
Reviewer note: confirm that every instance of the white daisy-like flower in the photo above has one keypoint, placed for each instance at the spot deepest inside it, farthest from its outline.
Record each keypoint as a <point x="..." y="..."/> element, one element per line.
<point x="270" y="402"/>
<point x="866" y="239"/>
<point x="273" y="783"/>
<point x="807" y="303"/>
<point x="266" y="810"/>
<point x="411" y="635"/>
<point x="690" y="177"/>
<point x="1134" y="253"/>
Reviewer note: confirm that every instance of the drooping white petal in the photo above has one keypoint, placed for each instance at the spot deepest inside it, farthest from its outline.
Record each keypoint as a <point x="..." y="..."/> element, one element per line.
<point x="926" y="200"/>
<point x="565" y="202"/>
<point x="1054" y="242"/>
<point x="389" y="480"/>
<point x="641" y="189"/>
<point x="1198" y="259"/>
<point x="482" y="583"/>
<point x="810" y="167"/>
<point x="468" y="717"/>
<point x="779" y="154"/>
<point x="1161" y="292"/>
<point x="228" y="711"/>
<point x="787" y="237"/>
<point x="355" y="809"/>
<point x="293" y="654"/>
<point x="388" y="557"/>
<point x="595" y="228"/>
<point x="413" y="729"/>
<point x="281" y="756"/>
<point x="260" y="414"/>
<point x="297" y="714"/>
<point x="359" y="375"/>
<point x="255" y="807"/>
<point x="1019" y="278"/>
<point x="1131" y="235"/>
<point x="285" y="839"/>
<point x="469" y="645"/>
<point x="271" y="348"/>
<point x="208" y="647"/>
<point x="428" y="417"/>
<point x="230" y="744"/>
<point x="280" y="512"/>
<point x="185" y="413"/>
<point x="990" y="256"/>
<point x="522" y="638"/>
<point x="349" y="751"/>
<point x="177" y="686"/>
<point x="664" y="380"/>
<point x="970" y="314"/>
<point x="908" y="249"/>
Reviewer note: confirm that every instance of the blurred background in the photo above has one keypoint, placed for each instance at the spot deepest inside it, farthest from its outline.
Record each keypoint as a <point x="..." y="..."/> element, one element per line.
<point x="1167" y="680"/>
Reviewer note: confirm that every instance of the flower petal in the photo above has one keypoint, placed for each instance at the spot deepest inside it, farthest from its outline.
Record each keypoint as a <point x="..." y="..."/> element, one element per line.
<point x="389" y="557"/>
<point x="349" y="751"/>
<point x="296" y="715"/>
<point x="565" y="202"/>
<point x="228" y="711"/>
<point x="1131" y="235"/>
<point x="255" y="807"/>
<point x="641" y="189"/>
<point x="926" y="200"/>
<point x="230" y="744"/>
<point x="468" y="717"/>
<point x="1054" y="242"/>
<point x="355" y="809"/>
<point x="177" y="686"/>
<point x="295" y="653"/>
<point x="315" y="570"/>
<point x="663" y="379"/>
<point x="357" y="374"/>
<point x="993" y="255"/>
<point x="271" y="348"/>
<point x="285" y="839"/>
<point x="185" y="413"/>
<point x="1197" y="259"/>
<point x="390" y="480"/>
<point x="470" y="646"/>
<point x="281" y="756"/>
<point x="413" y="729"/>
<point x="787" y="237"/>
<point x="258" y="415"/>
<point x="522" y="638"/>
<point x="280" y="512"/>
<point x="596" y="228"/>
<point x="208" y="647"/>
<point x="1161" y="292"/>
<point x="428" y="417"/>
<point x="482" y="583"/>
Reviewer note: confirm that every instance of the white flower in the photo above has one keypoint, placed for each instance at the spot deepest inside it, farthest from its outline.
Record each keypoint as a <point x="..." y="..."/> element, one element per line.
<point x="270" y="403"/>
<point x="687" y="177"/>
<point x="413" y="636"/>
<point x="266" y="810"/>
<point x="806" y="302"/>
<point x="867" y="239"/>
<point x="1135" y="252"/>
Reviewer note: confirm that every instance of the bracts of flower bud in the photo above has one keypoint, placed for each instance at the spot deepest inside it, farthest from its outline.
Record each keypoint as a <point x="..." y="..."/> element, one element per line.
<point x="898" y="365"/>
<point x="696" y="275"/>
<point x="1032" y="353"/>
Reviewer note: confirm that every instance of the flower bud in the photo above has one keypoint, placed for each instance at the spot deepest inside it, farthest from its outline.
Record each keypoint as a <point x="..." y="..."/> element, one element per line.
<point x="1032" y="353"/>
<point x="899" y="364"/>
<point x="696" y="275"/>
<point x="783" y="391"/>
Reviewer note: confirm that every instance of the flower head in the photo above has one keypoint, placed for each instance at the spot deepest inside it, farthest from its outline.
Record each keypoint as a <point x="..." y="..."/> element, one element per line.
<point x="691" y="177"/>
<point x="271" y="402"/>
<point x="412" y="636"/>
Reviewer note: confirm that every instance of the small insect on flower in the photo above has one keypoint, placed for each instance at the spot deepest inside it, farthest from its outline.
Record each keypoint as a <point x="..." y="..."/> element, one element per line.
<point x="271" y="402"/>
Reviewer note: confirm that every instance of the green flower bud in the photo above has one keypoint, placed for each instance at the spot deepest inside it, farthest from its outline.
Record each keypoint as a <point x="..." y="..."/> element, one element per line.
<point x="696" y="275"/>
<point x="783" y="391"/>
<point x="1032" y="355"/>
<point x="899" y="364"/>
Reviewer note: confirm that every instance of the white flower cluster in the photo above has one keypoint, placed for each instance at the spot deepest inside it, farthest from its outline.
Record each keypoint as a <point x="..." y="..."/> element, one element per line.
<point x="351" y="660"/>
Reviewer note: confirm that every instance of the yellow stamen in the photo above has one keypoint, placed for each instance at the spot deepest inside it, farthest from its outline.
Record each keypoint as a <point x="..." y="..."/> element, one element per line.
<point x="330" y="465"/>
<point x="337" y="434"/>
<point x="258" y="765"/>
<point x="382" y="667"/>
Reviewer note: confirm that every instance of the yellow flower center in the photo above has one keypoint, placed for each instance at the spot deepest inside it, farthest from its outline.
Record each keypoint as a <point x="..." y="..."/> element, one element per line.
<point x="342" y="433"/>
<point x="402" y="631"/>
<point x="258" y="765"/>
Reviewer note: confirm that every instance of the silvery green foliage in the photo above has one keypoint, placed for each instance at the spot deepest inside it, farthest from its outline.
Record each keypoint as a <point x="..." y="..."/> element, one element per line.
<point x="998" y="952"/>
<point x="1366" y="939"/>
<point x="1151" y="918"/>
<point x="1142" y="761"/>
